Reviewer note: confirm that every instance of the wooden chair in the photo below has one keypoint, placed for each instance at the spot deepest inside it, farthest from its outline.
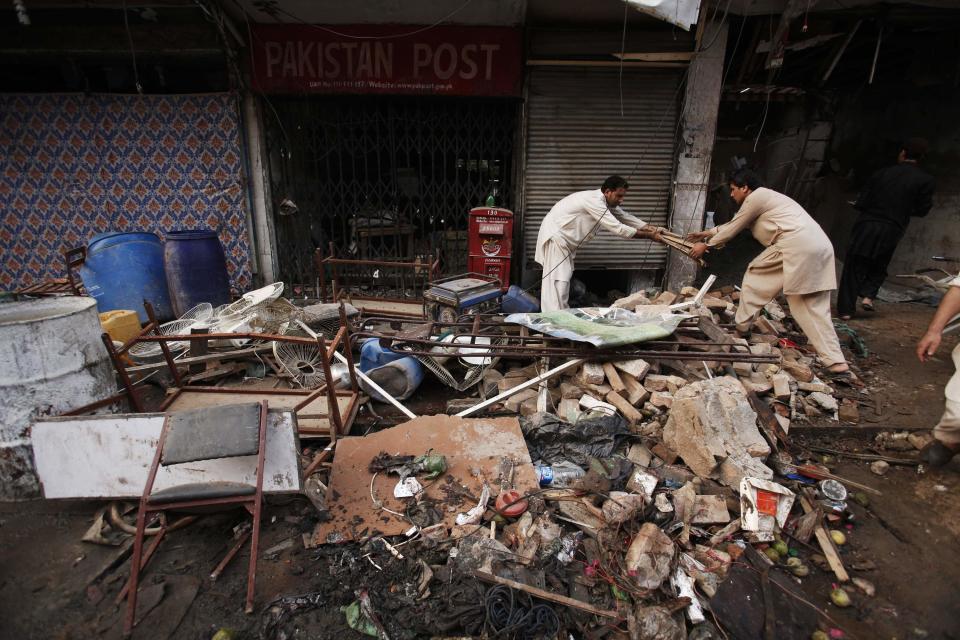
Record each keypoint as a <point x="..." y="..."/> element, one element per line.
<point x="192" y="436"/>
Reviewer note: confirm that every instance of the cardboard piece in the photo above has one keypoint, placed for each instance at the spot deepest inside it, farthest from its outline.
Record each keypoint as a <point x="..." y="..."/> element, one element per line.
<point x="473" y="448"/>
<point x="764" y="506"/>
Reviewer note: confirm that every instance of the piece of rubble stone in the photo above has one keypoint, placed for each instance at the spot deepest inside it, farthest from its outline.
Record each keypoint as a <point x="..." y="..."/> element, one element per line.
<point x="661" y="399"/>
<point x="665" y="298"/>
<point x="781" y="386"/>
<point x="657" y="382"/>
<point x="714" y="429"/>
<point x="622" y="506"/>
<point x="638" y="367"/>
<point x="799" y="371"/>
<point x="824" y="401"/>
<point x="632" y="301"/>
<point x="849" y="413"/>
<point x="591" y="373"/>
<point x="570" y="390"/>
<point x="920" y="440"/>
<point x="649" y="557"/>
<point x="810" y="387"/>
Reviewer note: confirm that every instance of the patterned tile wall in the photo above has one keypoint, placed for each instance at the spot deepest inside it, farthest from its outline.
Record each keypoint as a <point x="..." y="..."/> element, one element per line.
<point x="72" y="166"/>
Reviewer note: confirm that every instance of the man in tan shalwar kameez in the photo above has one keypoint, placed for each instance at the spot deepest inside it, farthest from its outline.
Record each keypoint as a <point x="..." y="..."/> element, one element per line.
<point x="798" y="260"/>
<point x="946" y="434"/>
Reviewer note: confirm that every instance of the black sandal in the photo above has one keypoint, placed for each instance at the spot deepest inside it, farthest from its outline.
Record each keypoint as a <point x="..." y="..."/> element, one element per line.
<point x="867" y="306"/>
<point x="936" y="454"/>
<point x="847" y="377"/>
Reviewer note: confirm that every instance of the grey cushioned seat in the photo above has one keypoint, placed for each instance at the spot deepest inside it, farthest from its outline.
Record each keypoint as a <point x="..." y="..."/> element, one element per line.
<point x="201" y="491"/>
<point x="212" y="432"/>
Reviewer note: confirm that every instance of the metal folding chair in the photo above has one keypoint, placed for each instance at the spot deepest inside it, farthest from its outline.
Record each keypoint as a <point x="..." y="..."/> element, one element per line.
<point x="192" y="436"/>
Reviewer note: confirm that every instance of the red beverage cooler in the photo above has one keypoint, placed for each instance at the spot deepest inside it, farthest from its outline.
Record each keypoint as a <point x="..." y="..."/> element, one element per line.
<point x="490" y="243"/>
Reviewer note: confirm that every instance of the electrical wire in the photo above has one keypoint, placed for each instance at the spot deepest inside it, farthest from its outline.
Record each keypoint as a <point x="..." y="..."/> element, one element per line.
<point x="508" y="616"/>
<point x="133" y="51"/>
<point x="386" y="37"/>
<point x="623" y="45"/>
<point x="766" y="110"/>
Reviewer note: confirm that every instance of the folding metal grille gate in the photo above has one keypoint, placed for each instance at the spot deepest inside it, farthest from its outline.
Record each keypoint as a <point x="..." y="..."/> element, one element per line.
<point x="384" y="178"/>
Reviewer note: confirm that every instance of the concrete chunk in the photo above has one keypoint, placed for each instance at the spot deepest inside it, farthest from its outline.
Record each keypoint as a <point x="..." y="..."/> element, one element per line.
<point x="710" y="510"/>
<point x="657" y="382"/>
<point x="638" y="368"/>
<point x="661" y="399"/>
<point x="799" y="371"/>
<point x="632" y="301"/>
<point x="591" y="373"/>
<point x="781" y="386"/>
<point x="714" y="429"/>
<point x="570" y="390"/>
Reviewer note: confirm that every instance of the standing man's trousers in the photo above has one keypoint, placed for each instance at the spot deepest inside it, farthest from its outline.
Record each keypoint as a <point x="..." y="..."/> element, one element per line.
<point x="557" y="272"/>
<point x="764" y="281"/>
<point x="948" y="429"/>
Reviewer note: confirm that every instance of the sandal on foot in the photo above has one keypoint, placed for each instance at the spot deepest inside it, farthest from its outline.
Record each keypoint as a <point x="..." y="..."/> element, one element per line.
<point x="936" y="454"/>
<point x="847" y="377"/>
<point x="867" y="306"/>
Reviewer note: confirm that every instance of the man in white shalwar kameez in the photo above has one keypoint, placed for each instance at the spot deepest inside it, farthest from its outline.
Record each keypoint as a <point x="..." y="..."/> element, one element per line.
<point x="946" y="434"/>
<point x="573" y="221"/>
<point x="798" y="260"/>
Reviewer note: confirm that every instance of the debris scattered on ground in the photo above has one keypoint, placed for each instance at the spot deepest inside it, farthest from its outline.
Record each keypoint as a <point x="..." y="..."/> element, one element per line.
<point x="638" y="490"/>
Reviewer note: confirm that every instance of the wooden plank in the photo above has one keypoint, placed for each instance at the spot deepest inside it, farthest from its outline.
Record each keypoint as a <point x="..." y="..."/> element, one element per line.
<point x="547" y="595"/>
<point x="109" y="457"/>
<point x="826" y="544"/>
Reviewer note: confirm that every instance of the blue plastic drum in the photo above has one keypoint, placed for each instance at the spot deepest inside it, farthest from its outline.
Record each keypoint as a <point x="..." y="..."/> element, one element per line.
<point x="121" y="270"/>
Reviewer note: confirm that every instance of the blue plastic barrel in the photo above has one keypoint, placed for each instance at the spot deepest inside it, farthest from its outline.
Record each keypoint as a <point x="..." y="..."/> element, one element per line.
<point x="196" y="269"/>
<point x="399" y="378"/>
<point x="372" y="355"/>
<point x="121" y="270"/>
<point x="519" y="301"/>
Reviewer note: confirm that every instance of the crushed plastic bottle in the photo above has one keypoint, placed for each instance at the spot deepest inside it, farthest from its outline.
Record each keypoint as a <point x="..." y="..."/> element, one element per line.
<point x="560" y="474"/>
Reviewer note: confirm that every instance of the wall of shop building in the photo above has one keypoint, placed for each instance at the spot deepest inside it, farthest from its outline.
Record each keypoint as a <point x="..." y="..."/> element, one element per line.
<point x="73" y="166"/>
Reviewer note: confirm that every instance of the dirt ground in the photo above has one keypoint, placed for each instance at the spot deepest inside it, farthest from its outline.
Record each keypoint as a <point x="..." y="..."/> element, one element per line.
<point x="904" y="542"/>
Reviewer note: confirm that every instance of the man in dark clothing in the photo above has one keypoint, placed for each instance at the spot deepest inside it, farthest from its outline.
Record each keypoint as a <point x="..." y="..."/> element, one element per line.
<point x="890" y="198"/>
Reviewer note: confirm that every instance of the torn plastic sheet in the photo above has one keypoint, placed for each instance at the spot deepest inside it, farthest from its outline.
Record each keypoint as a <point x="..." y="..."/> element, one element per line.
<point x="602" y="326"/>
<point x="682" y="13"/>
<point x="551" y="439"/>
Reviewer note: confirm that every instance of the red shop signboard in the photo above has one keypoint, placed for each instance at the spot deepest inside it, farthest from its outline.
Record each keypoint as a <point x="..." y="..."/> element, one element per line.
<point x="388" y="59"/>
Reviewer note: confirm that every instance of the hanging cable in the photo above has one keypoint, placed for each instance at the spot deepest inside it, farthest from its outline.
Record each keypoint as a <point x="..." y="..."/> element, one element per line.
<point x="133" y="51"/>
<point x="386" y="37"/>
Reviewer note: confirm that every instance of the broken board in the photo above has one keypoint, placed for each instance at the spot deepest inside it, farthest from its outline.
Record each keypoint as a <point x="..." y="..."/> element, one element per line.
<point x="109" y="456"/>
<point x="470" y="446"/>
<point x="312" y="419"/>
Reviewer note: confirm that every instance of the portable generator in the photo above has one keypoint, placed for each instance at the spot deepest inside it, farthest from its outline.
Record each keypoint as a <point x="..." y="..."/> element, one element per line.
<point x="447" y="299"/>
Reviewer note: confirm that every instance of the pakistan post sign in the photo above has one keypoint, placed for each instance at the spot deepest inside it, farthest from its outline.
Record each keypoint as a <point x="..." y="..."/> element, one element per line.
<point x="390" y="59"/>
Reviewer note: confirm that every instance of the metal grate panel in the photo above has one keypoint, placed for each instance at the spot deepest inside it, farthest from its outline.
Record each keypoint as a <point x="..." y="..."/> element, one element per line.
<point x="576" y="137"/>
<point x="385" y="178"/>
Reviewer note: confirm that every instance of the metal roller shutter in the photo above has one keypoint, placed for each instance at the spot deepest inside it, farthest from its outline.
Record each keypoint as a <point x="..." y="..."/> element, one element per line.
<point x="576" y="137"/>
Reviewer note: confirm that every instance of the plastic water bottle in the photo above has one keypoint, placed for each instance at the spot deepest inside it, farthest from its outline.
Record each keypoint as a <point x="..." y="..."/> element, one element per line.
<point x="558" y="475"/>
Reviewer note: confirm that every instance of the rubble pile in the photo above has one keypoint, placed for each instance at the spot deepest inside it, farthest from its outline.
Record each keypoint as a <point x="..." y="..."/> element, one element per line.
<point x="621" y="497"/>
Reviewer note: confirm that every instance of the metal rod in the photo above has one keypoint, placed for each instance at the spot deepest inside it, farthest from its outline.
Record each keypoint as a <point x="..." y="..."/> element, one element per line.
<point x="364" y="377"/>
<point x="526" y="385"/>
<point x="230" y="555"/>
<point x="876" y="54"/>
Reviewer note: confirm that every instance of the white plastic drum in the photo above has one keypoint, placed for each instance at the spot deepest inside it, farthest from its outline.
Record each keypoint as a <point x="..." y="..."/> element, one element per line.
<point x="51" y="361"/>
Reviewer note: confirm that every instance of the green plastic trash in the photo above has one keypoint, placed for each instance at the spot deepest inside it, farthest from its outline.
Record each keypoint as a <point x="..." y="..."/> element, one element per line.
<point x="357" y="621"/>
